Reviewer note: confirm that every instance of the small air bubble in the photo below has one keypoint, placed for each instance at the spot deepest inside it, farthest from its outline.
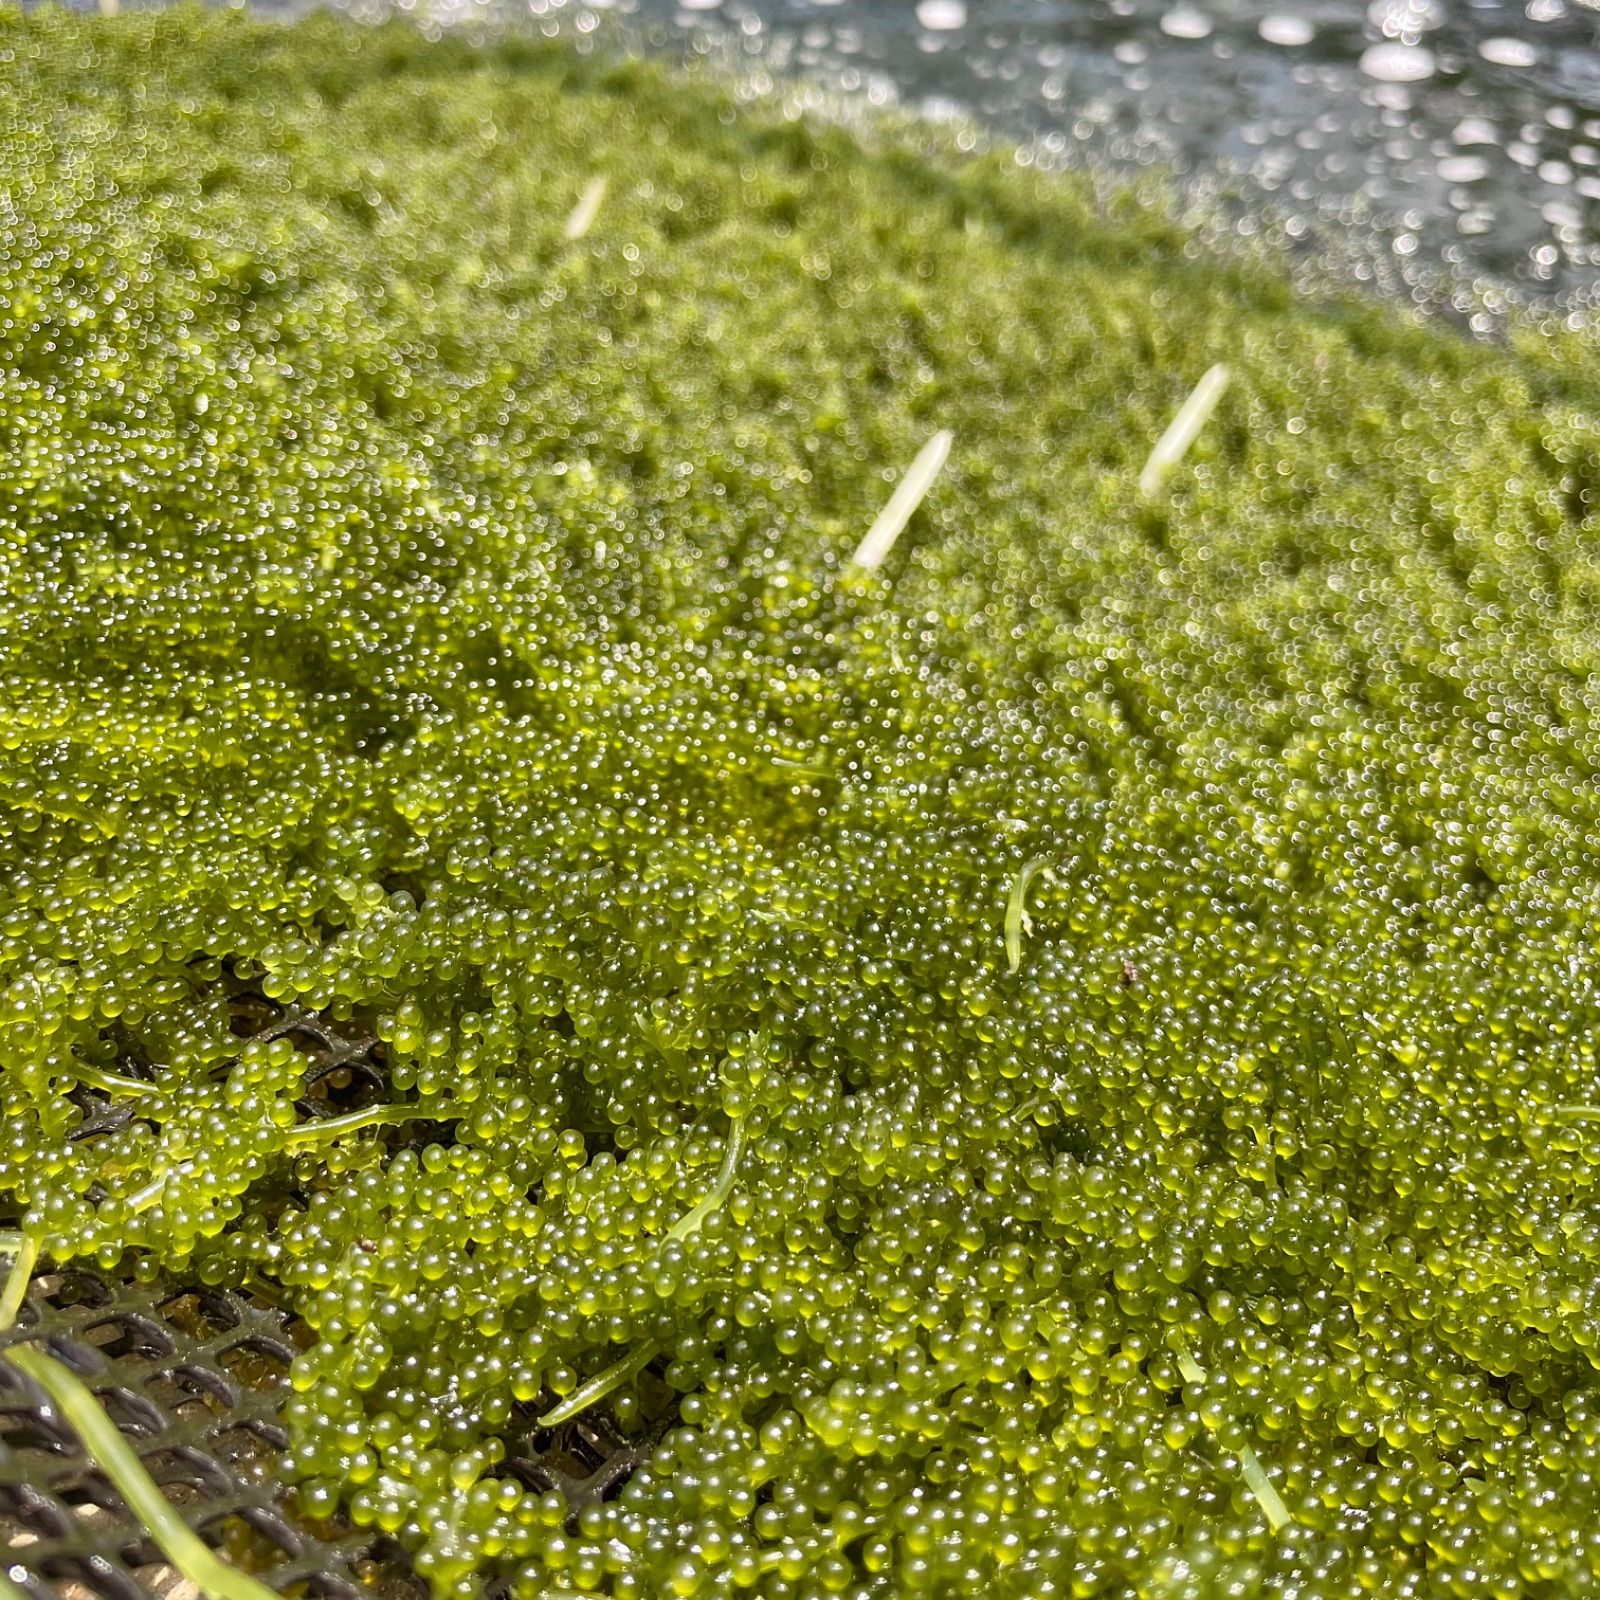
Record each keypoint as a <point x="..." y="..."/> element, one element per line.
<point x="1476" y="130"/>
<point x="1397" y="63"/>
<point x="1506" y="52"/>
<point x="1186" y="22"/>
<point x="942" y="15"/>
<point x="1287" y="29"/>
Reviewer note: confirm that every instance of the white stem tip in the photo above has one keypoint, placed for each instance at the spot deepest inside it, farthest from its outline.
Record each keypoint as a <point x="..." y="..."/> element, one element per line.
<point x="586" y="210"/>
<point x="903" y="502"/>
<point x="1184" y="429"/>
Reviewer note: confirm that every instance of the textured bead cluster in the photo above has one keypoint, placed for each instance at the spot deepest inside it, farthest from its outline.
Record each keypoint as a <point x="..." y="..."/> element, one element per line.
<point x="447" y="625"/>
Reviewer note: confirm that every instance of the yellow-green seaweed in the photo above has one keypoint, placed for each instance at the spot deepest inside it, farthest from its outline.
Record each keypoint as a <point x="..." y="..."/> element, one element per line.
<point x="414" y="616"/>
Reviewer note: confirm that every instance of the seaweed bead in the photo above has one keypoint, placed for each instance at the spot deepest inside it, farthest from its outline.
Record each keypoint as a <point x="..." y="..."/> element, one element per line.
<point x="1058" y="1065"/>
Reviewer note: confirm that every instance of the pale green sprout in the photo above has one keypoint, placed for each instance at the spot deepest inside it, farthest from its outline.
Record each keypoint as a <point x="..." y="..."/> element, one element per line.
<point x="1189" y="1369"/>
<point x="891" y="521"/>
<point x="689" y="1223"/>
<point x="1184" y="429"/>
<point x="115" y="1457"/>
<point x="156" y="1189"/>
<point x="306" y="1134"/>
<point x="111" y="1082"/>
<point x="587" y="209"/>
<point x="312" y="1133"/>
<point x="1018" y="921"/>
<point x="1261" y="1487"/>
<point x="25" y="1253"/>
<point x="600" y="1385"/>
<point x="799" y="771"/>
<point x="619" y="1372"/>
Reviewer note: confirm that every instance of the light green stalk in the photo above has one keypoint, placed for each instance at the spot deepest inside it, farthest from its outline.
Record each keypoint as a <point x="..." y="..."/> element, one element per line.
<point x="1016" y="912"/>
<point x="1184" y="429"/>
<point x="1261" y="1487"/>
<point x="891" y="521"/>
<point x="586" y="210"/>
<point x="333" y="1127"/>
<point x="111" y="1082"/>
<point x="115" y="1457"/>
<point x="689" y="1223"/>
<point x="600" y="1385"/>
<point x="25" y="1254"/>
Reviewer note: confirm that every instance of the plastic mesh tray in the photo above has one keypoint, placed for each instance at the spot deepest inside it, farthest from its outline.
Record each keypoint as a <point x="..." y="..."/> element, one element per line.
<point x="194" y="1380"/>
<point x="195" y="1377"/>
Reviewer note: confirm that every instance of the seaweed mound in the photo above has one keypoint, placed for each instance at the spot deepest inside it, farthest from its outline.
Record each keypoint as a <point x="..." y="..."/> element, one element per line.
<point x="1056" y="1066"/>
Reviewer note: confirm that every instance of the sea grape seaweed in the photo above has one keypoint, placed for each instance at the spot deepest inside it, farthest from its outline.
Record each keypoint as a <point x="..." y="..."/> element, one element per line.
<point x="448" y="626"/>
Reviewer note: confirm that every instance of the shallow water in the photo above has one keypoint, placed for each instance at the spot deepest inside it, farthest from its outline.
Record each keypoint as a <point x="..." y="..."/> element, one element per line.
<point x="1415" y="137"/>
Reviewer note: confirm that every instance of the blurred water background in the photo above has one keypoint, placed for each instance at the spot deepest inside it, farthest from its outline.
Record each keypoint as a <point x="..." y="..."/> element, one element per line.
<point x="1446" y="151"/>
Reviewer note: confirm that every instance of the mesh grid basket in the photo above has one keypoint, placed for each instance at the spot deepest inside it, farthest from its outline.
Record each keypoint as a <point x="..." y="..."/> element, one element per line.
<point x="196" y="1377"/>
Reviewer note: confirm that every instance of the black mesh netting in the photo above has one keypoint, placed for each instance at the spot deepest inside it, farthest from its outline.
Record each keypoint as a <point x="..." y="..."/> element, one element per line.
<point x="195" y="1378"/>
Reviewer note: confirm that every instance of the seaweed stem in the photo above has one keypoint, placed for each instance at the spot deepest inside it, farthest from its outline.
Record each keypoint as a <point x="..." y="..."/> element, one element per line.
<point x="891" y="521"/>
<point x="333" y="1127"/>
<point x="1184" y="428"/>
<point x="586" y="210"/>
<point x="26" y="1254"/>
<point x="1016" y="913"/>
<point x="600" y="1385"/>
<point x="689" y="1223"/>
<point x="111" y="1082"/>
<point x="115" y="1457"/>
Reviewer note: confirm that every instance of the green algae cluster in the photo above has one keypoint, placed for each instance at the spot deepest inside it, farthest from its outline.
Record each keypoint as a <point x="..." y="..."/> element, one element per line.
<point x="439" y="624"/>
